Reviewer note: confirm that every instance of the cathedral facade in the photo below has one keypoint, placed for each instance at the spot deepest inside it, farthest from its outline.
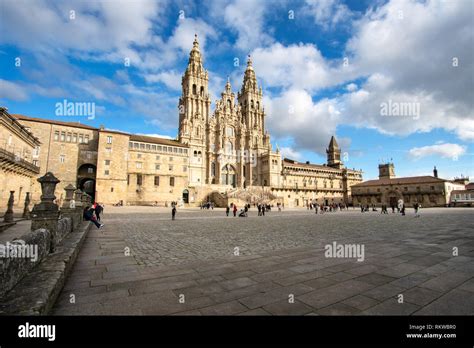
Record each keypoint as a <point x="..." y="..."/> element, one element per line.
<point x="230" y="146"/>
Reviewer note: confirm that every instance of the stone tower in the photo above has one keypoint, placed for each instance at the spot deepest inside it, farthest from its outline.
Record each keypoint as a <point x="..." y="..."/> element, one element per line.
<point x="386" y="171"/>
<point x="194" y="107"/>
<point x="334" y="154"/>
<point x="253" y="117"/>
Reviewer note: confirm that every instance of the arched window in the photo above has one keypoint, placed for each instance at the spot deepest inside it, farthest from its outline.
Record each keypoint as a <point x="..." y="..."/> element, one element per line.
<point x="195" y="153"/>
<point x="228" y="103"/>
<point x="230" y="131"/>
<point x="258" y="105"/>
<point x="251" y="103"/>
<point x="198" y="131"/>
<point x="194" y="89"/>
<point x="213" y="169"/>
<point x="202" y="91"/>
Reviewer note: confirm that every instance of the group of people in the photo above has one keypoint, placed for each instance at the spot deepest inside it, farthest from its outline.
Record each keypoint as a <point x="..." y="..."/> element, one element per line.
<point x="400" y="208"/>
<point x="92" y="214"/>
<point x="208" y="205"/>
<point x="243" y="212"/>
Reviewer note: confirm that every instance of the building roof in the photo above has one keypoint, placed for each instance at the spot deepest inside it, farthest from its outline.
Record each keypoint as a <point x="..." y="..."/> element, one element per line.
<point x="460" y="191"/>
<point x="401" y="181"/>
<point x="470" y="186"/>
<point x="19" y="126"/>
<point x="333" y="143"/>
<point x="61" y="123"/>
<point x="155" y="140"/>
<point x="290" y="162"/>
<point x="133" y="137"/>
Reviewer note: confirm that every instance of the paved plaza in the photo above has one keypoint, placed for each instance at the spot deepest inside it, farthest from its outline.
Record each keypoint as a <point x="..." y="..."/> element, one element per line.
<point x="205" y="263"/>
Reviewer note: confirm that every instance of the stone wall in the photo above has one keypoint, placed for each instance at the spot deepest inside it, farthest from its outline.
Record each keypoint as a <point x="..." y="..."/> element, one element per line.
<point x="13" y="269"/>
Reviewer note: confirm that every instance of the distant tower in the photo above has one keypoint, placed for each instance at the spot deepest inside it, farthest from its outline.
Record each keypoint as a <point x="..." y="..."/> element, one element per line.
<point x="435" y="172"/>
<point x="386" y="171"/>
<point x="334" y="154"/>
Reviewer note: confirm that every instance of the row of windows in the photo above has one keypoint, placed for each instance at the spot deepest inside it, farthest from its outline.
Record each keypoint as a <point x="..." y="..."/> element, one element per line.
<point x="466" y="196"/>
<point x="141" y="180"/>
<point x="71" y="137"/>
<point x="139" y="155"/>
<point x="418" y="188"/>
<point x="139" y="165"/>
<point x="160" y="148"/>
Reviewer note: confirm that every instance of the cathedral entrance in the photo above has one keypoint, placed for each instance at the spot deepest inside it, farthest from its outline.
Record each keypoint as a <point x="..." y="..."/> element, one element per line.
<point x="185" y="196"/>
<point x="228" y="175"/>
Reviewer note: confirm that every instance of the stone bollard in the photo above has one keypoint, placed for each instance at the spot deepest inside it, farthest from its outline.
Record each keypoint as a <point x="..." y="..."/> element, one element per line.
<point x="46" y="213"/>
<point x="86" y="200"/>
<point x="68" y="208"/>
<point x="26" y="208"/>
<point x="78" y="203"/>
<point x="9" y="213"/>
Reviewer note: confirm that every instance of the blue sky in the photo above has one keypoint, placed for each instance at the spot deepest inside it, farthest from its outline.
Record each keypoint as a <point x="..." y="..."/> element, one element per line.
<point x="326" y="67"/>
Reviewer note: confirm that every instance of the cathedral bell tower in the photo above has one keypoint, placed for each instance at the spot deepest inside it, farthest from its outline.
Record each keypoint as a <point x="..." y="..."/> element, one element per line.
<point x="194" y="107"/>
<point x="255" y="139"/>
<point x="334" y="154"/>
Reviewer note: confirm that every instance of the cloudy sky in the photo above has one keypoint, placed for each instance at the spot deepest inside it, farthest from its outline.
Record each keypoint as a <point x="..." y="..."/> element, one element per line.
<point x="391" y="79"/>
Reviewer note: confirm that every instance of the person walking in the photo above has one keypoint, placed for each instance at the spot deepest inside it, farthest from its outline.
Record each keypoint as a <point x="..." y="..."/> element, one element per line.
<point x="173" y="212"/>
<point x="227" y="211"/>
<point x="235" y="210"/>
<point x="98" y="210"/>
<point x="416" y="206"/>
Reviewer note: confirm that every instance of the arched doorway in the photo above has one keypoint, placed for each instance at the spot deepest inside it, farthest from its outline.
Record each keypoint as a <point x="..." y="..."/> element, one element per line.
<point x="392" y="198"/>
<point x="185" y="196"/>
<point x="86" y="175"/>
<point x="228" y="175"/>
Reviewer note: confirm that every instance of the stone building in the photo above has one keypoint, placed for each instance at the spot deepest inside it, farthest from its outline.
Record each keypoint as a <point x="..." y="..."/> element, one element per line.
<point x="225" y="156"/>
<point x="429" y="191"/>
<point x="18" y="167"/>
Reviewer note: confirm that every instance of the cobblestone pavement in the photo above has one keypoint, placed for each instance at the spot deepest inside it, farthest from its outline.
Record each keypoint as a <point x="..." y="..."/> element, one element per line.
<point x="205" y="263"/>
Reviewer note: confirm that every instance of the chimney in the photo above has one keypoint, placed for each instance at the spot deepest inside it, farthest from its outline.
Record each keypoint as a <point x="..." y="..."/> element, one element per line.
<point x="435" y="172"/>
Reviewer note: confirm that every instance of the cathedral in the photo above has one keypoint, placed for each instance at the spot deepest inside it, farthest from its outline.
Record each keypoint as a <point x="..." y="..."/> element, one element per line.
<point x="222" y="156"/>
<point x="229" y="146"/>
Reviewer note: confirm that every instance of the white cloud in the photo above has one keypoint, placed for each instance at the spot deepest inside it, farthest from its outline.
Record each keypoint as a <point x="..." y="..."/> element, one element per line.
<point x="294" y="114"/>
<point x="12" y="91"/>
<point x="106" y="27"/>
<point x="351" y="87"/>
<point x="297" y="66"/>
<point x="406" y="48"/>
<point x="288" y="152"/>
<point x="328" y="13"/>
<point x="246" y="17"/>
<point x="171" y="79"/>
<point x="446" y="150"/>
